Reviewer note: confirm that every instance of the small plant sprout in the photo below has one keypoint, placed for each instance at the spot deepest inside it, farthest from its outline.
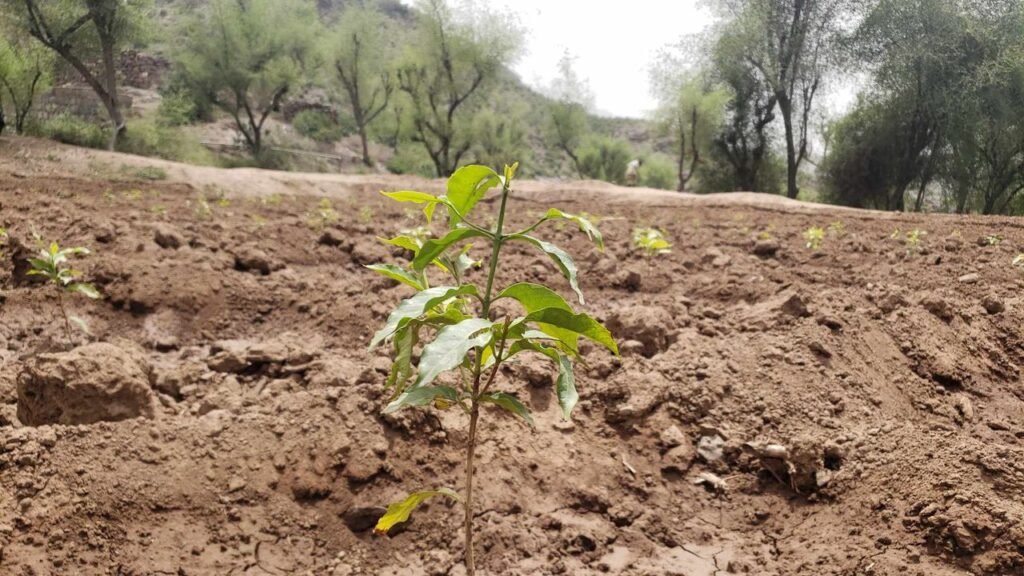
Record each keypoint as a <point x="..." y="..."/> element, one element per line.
<point x="993" y="239"/>
<point x="652" y="241"/>
<point x="837" y="229"/>
<point x="323" y="215"/>
<point x="914" y="239"/>
<point x="815" y="236"/>
<point x="896" y="233"/>
<point x="366" y="214"/>
<point x="53" y="263"/>
<point x="3" y="240"/>
<point x="1018" y="261"/>
<point x="462" y="342"/>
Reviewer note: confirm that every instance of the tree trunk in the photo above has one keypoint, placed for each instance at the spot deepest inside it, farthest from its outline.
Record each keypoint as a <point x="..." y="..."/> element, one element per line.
<point x="681" y="169"/>
<point x="366" y="147"/>
<point x="792" y="165"/>
<point x="110" y="78"/>
<point x="3" y="121"/>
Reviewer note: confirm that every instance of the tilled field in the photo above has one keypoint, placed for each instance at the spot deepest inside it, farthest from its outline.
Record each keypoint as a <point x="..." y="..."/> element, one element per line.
<point x="853" y="410"/>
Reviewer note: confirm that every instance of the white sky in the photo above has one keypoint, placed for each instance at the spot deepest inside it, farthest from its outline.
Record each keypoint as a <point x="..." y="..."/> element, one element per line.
<point x="614" y="44"/>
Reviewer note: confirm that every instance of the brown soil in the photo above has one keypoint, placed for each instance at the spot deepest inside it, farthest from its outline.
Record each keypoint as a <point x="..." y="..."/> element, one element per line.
<point x="862" y="406"/>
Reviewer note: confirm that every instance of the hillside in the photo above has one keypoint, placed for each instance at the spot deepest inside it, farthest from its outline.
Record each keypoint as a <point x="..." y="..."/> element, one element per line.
<point x="850" y="411"/>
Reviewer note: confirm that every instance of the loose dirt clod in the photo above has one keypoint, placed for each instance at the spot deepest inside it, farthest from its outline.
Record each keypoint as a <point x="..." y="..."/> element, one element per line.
<point x="92" y="383"/>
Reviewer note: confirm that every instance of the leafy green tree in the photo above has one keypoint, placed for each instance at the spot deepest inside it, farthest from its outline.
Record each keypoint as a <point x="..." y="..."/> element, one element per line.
<point x="788" y="44"/>
<point x="690" y="111"/>
<point x="84" y="32"/>
<point x="246" y="57"/>
<point x="456" y="330"/>
<point x="360" y="52"/>
<point x="568" y="126"/>
<point x="744" y="141"/>
<point x="452" y="61"/>
<point x="26" y="69"/>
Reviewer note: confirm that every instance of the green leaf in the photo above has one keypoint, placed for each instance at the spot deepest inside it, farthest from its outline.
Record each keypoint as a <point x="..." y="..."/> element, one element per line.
<point x="407" y="242"/>
<point x="509" y="403"/>
<point x="429" y="201"/>
<point x="565" y="386"/>
<point x="434" y="248"/>
<point x="534" y="297"/>
<point x="87" y="290"/>
<point x="467" y="187"/>
<point x="410" y="196"/>
<point x="579" y="324"/>
<point x="422" y="396"/>
<point x="82" y="325"/>
<point x="401" y="511"/>
<point x="416" y="306"/>
<point x="585" y="225"/>
<point x="397" y="273"/>
<point x="401" y="367"/>
<point x="450" y="347"/>
<point x="560" y="257"/>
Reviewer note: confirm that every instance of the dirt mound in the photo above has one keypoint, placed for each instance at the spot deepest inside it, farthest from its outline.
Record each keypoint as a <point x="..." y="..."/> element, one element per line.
<point x="854" y="410"/>
<point x="92" y="383"/>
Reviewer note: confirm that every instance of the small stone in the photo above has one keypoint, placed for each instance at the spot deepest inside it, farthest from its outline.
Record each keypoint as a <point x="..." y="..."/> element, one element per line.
<point x="993" y="304"/>
<point x="236" y="483"/>
<point x="972" y="278"/>
<point x="672" y="437"/>
<point x="709" y="448"/>
<point x="766" y="247"/>
<point x="167" y="237"/>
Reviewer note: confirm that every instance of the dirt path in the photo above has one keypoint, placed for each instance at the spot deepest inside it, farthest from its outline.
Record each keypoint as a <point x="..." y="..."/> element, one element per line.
<point x="888" y="374"/>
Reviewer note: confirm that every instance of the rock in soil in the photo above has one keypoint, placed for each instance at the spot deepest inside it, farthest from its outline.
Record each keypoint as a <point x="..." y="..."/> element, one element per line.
<point x="92" y="383"/>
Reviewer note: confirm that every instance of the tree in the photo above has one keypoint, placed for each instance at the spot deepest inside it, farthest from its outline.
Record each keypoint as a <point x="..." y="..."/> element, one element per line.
<point x="787" y="43"/>
<point x="690" y="110"/>
<point x="457" y="56"/>
<point x="359" y="54"/>
<point x="568" y="113"/>
<point x="246" y="57"/>
<point x="25" y="70"/>
<point x="744" y="142"/>
<point x="83" y="32"/>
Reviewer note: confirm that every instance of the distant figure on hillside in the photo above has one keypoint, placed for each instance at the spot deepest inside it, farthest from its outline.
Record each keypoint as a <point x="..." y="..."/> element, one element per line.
<point x="633" y="172"/>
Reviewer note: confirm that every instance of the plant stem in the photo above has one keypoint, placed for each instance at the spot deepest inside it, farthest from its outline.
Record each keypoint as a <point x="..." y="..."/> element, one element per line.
<point x="67" y="324"/>
<point x="474" y="416"/>
<point x="474" y="408"/>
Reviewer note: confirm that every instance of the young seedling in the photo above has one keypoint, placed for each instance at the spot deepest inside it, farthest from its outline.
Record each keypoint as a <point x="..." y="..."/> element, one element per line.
<point x="1018" y="261"/>
<point x="460" y="333"/>
<point x="3" y="240"/>
<point x="914" y="239"/>
<point x="652" y="241"/>
<point x="54" y="264"/>
<point x="325" y="214"/>
<point x="993" y="239"/>
<point x="837" y="228"/>
<point x="814" y="236"/>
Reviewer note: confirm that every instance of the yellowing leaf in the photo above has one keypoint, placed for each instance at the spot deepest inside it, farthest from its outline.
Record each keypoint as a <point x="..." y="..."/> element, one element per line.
<point x="400" y="512"/>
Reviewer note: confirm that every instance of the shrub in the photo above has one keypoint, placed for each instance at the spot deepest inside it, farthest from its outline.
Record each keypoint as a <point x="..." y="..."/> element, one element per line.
<point x="177" y="109"/>
<point x="319" y="126"/>
<point x="411" y="159"/>
<point x="150" y="137"/>
<point x="73" y="130"/>
<point x="605" y="159"/>
<point x="658" y="172"/>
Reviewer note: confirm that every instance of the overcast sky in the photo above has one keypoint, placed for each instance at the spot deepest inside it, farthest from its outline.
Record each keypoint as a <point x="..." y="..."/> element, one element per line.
<point x="614" y="44"/>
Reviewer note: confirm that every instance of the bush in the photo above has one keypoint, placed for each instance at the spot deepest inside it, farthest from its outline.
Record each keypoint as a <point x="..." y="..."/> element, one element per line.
<point x="177" y="109"/>
<point x="72" y="130"/>
<point x="411" y="158"/>
<point x="659" y="172"/>
<point x="150" y="137"/>
<point x="319" y="126"/>
<point x="605" y="159"/>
